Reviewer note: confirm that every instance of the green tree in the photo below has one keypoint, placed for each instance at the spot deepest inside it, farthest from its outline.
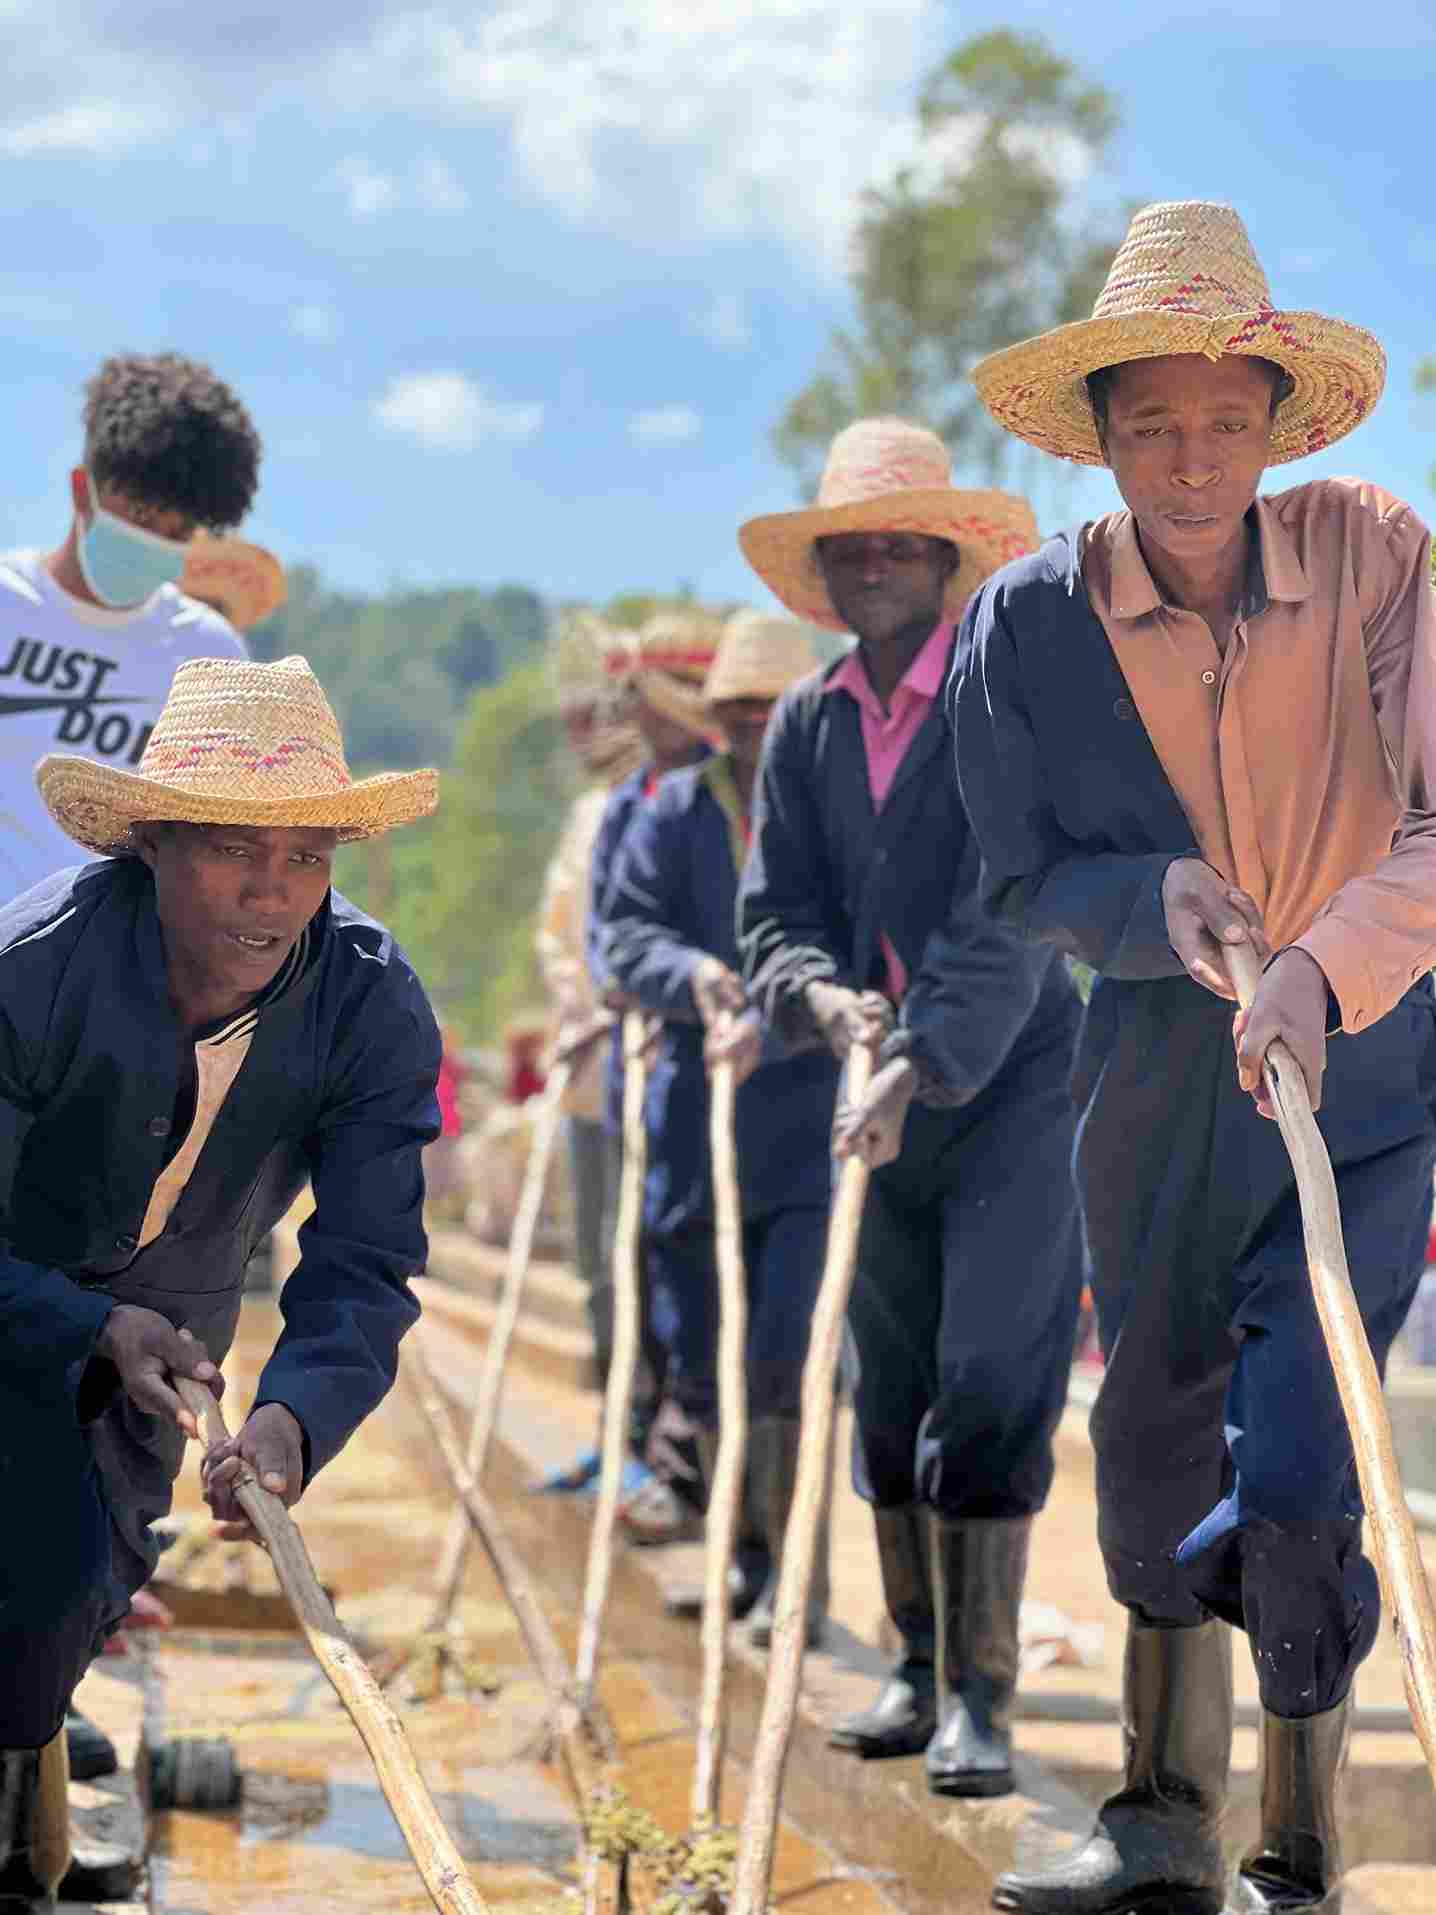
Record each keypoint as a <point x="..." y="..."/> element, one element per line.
<point x="982" y="242"/>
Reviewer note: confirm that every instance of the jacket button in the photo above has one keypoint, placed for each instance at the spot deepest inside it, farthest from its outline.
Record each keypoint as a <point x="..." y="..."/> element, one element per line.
<point x="158" y="1127"/>
<point x="126" y="1243"/>
<point x="1209" y="678"/>
<point x="1124" y="708"/>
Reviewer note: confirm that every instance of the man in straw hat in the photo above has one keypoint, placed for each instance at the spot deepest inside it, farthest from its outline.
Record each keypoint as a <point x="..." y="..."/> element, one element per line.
<point x="658" y="671"/>
<point x="193" y="1026"/>
<point x="91" y="633"/>
<point x="672" y="947"/>
<point x="1203" y="721"/>
<point x="859" y="909"/>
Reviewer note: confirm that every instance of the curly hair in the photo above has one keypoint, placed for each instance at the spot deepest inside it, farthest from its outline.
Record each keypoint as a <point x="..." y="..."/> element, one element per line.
<point x="167" y="432"/>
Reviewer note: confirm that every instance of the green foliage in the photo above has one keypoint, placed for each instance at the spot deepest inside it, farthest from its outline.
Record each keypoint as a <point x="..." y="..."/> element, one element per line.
<point x="399" y="668"/>
<point x="982" y="244"/>
<point x="1426" y="382"/>
<point x="460" y="890"/>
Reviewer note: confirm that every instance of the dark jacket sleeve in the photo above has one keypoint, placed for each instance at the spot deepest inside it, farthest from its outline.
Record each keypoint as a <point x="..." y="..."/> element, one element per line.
<point x="611" y="828"/>
<point x="970" y="998"/>
<point x="1104" y="907"/>
<point x="348" y="1302"/>
<point x="645" y="949"/>
<point x="784" y="936"/>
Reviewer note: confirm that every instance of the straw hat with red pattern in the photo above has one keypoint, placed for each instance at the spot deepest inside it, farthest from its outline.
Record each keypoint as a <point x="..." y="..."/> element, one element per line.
<point x="887" y="475"/>
<point x="1185" y="280"/>
<point x="237" y="743"/>
<point x="759" y="656"/>
<point x="669" y="660"/>
<point x="243" y="583"/>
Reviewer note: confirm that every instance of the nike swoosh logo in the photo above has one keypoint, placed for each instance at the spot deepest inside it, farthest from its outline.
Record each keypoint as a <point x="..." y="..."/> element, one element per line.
<point x="15" y="706"/>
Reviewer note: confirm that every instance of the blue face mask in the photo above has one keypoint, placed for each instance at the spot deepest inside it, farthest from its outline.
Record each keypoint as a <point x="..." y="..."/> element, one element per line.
<point x="123" y="565"/>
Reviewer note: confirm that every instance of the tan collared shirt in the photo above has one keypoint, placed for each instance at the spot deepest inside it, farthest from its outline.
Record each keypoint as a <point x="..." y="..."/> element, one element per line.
<point x="1305" y="758"/>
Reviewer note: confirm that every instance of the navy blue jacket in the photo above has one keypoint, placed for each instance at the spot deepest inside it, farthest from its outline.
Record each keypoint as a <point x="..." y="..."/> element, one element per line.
<point x="828" y="875"/>
<point x="671" y="904"/>
<point x="338" y="1086"/>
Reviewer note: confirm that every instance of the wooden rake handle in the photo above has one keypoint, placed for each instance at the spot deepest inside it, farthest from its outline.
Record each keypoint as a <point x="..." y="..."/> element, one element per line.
<point x="430" y="1844"/>
<point x="1394" y="1545"/>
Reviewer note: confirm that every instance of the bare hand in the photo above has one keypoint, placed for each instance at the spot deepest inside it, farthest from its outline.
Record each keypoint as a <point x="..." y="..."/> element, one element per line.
<point x="717" y="991"/>
<point x="270" y="1448"/>
<point x="737" y="1041"/>
<point x="1290" y="1004"/>
<point x="1204" y="913"/>
<point x="847" y="1017"/>
<point x="146" y="1348"/>
<point x="872" y="1130"/>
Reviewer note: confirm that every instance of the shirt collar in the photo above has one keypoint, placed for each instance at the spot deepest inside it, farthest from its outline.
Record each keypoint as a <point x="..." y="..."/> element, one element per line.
<point x="922" y="679"/>
<point x="1279" y="575"/>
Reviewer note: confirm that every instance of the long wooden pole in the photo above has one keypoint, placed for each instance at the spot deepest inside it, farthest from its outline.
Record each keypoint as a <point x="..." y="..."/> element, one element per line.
<point x="725" y="1493"/>
<point x="429" y="1842"/>
<point x="618" y="1399"/>
<point x="1393" y="1534"/>
<point x="759" y="1832"/>
<point x="491" y="1377"/>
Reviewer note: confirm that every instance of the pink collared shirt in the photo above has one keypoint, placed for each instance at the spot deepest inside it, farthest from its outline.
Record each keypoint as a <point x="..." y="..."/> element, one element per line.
<point x="888" y="733"/>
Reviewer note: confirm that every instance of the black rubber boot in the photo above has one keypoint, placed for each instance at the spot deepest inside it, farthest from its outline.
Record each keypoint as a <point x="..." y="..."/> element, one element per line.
<point x="978" y="1570"/>
<point x="92" y="1754"/>
<point x="773" y="1448"/>
<point x="902" y="1719"/>
<point x="98" y="1872"/>
<point x="1296" y="1864"/>
<point x="1157" y="1845"/>
<point x="749" y="1570"/>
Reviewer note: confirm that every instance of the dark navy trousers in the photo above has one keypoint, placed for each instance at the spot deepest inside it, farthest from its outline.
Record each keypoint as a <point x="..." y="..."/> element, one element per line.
<point x="783" y="1261"/>
<point x="964" y="1307"/>
<point x="1225" y="1477"/>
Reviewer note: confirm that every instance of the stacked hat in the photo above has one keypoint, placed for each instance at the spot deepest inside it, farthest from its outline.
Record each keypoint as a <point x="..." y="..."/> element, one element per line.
<point x="587" y="658"/>
<point x="1185" y="280"/>
<point x="759" y="656"/>
<point x="887" y="475"/>
<point x="243" y="583"/>
<point x="670" y="660"/>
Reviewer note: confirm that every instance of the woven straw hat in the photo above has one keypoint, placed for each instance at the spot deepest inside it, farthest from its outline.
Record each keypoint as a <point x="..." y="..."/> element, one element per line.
<point x="244" y="583"/>
<point x="759" y="656"/>
<point x="886" y="475"/>
<point x="587" y="659"/>
<point x="1185" y="279"/>
<point x="237" y="743"/>
<point x="669" y="661"/>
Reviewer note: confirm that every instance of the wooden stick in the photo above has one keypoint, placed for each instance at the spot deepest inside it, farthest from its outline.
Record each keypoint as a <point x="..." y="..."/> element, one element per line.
<point x="430" y="1844"/>
<point x="618" y="1399"/>
<point x="758" y="1835"/>
<point x="1393" y="1534"/>
<point x="725" y="1492"/>
<point x="491" y="1378"/>
<point x="580" y="1739"/>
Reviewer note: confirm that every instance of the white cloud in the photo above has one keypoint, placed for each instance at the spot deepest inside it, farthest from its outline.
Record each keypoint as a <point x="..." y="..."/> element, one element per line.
<point x="427" y="186"/>
<point x="731" y="116"/>
<point x="316" y="325"/>
<point x="436" y="189"/>
<point x="725" y="324"/>
<point x="97" y="126"/>
<point x="368" y="192"/>
<point x="665" y="426"/>
<point x="449" y="412"/>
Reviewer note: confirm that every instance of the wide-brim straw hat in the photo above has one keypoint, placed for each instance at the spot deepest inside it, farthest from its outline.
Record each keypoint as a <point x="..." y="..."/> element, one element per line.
<point x="759" y="656"/>
<point x="1185" y="280"/>
<point x="244" y="582"/>
<point x="236" y="743"/>
<point x="669" y="660"/>
<point x="887" y="475"/>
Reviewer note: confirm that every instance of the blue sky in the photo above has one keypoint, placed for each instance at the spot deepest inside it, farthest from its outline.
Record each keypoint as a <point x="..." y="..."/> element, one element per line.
<point x="518" y="289"/>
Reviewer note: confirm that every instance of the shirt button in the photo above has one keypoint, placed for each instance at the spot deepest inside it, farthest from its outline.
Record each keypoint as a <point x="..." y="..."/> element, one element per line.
<point x="1123" y="708"/>
<point x="158" y="1127"/>
<point x="1209" y="678"/>
<point x="125" y="1243"/>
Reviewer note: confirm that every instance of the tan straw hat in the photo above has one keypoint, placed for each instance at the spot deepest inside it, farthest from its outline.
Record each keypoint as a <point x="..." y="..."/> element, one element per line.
<point x="759" y="656"/>
<point x="244" y="583"/>
<point x="587" y="658"/>
<point x="1185" y="279"/>
<point x="670" y="659"/>
<point x="237" y="743"/>
<point x="886" y="475"/>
